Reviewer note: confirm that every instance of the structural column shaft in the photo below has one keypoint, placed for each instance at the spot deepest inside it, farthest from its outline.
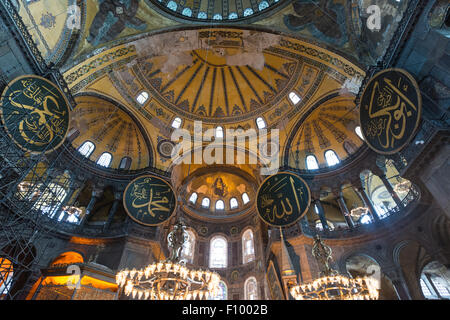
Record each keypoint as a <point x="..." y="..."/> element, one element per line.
<point x="345" y="211"/>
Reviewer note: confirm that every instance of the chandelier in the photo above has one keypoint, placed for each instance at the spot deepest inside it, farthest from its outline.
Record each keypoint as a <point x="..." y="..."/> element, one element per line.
<point x="358" y="212"/>
<point x="402" y="187"/>
<point x="169" y="279"/>
<point x="331" y="285"/>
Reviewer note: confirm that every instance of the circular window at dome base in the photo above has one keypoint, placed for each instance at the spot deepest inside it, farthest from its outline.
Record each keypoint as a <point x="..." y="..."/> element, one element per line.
<point x="216" y="11"/>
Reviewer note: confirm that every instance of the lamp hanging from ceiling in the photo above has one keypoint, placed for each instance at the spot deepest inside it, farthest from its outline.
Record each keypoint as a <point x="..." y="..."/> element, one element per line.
<point x="331" y="285"/>
<point x="170" y="279"/>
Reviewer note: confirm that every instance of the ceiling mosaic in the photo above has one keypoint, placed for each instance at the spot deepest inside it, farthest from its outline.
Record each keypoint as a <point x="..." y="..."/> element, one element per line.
<point x="111" y="130"/>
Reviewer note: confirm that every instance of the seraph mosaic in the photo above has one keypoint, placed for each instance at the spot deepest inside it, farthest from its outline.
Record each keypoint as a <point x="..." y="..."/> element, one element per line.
<point x="112" y="18"/>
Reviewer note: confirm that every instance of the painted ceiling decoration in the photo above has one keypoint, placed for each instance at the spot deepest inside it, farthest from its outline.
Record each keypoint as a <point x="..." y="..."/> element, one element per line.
<point x="66" y="34"/>
<point x="111" y="130"/>
<point x="329" y="125"/>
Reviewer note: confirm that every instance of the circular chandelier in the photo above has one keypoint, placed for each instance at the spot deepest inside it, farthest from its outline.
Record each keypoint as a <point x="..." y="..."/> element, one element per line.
<point x="358" y="212"/>
<point x="402" y="187"/>
<point x="331" y="285"/>
<point x="169" y="279"/>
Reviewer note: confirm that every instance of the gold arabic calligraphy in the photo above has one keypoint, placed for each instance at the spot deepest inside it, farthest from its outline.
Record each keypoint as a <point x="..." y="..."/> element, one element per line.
<point x="42" y="123"/>
<point x="389" y="123"/>
<point x="271" y="205"/>
<point x="143" y="191"/>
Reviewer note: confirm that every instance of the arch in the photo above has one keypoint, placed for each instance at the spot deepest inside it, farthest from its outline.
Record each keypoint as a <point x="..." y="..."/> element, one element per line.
<point x="251" y="289"/>
<point x="176" y="123"/>
<point x="6" y="276"/>
<point x="86" y="148"/>
<point x="434" y="281"/>
<point x="248" y="246"/>
<point x="68" y="257"/>
<point x="218" y="252"/>
<point x="188" y="250"/>
<point x="105" y="159"/>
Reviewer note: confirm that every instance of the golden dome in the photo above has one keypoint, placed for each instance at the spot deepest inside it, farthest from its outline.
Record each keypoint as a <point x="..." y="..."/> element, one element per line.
<point x="111" y="130"/>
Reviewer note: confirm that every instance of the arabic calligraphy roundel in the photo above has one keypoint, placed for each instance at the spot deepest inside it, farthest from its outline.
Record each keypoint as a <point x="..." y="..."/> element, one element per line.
<point x="149" y="200"/>
<point x="390" y="112"/>
<point x="35" y="113"/>
<point x="283" y="199"/>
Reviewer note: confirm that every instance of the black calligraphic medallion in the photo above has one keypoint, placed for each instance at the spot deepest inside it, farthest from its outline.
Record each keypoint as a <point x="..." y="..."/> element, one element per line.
<point x="283" y="199"/>
<point x="149" y="200"/>
<point x="390" y="112"/>
<point x="35" y="114"/>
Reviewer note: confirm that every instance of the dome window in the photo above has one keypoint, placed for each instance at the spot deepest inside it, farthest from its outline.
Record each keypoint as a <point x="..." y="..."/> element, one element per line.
<point x="176" y="123"/>
<point x="86" y="149"/>
<point x="142" y="97"/>
<point x="245" y="198"/>
<point x="294" y="98"/>
<point x="219" y="132"/>
<point x="193" y="198"/>
<point x="311" y="163"/>
<point x="331" y="158"/>
<point x="220" y="205"/>
<point x="358" y="132"/>
<point x="233" y="203"/>
<point x="260" y="123"/>
<point x="105" y="160"/>
<point x="205" y="203"/>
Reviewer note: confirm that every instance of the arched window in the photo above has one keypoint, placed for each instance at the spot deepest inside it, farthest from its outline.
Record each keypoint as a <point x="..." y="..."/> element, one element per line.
<point x="248" y="247"/>
<point x="245" y="198"/>
<point x="187" y="12"/>
<point x="311" y="163"/>
<point x="218" y="252"/>
<point x="176" y="123"/>
<point x="219" y="132"/>
<point x="202" y="15"/>
<point x="142" y="97"/>
<point x="365" y="219"/>
<point x="233" y="203"/>
<point x="263" y="5"/>
<point x="331" y="158"/>
<point x="205" y="203"/>
<point x="294" y="98"/>
<point x="358" y="132"/>
<point x="260" y="123"/>
<point x="316" y="209"/>
<point x="51" y="199"/>
<point x="248" y="12"/>
<point x="233" y="15"/>
<point x="105" y="159"/>
<point x="6" y="276"/>
<point x="217" y="16"/>
<point x="188" y="250"/>
<point x="193" y="197"/>
<point x="251" y="289"/>
<point x="220" y="205"/>
<point x="125" y="163"/>
<point x="172" y="5"/>
<point x="222" y="293"/>
<point x="86" y="149"/>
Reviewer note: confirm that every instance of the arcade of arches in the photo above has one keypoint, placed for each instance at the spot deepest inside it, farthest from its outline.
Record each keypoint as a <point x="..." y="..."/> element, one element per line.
<point x="135" y="71"/>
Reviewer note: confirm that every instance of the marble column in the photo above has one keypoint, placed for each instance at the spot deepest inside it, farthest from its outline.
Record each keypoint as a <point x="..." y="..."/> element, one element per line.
<point x="322" y="215"/>
<point x="96" y="194"/>
<point x="344" y="210"/>
<point x="113" y="210"/>
<point x="367" y="203"/>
